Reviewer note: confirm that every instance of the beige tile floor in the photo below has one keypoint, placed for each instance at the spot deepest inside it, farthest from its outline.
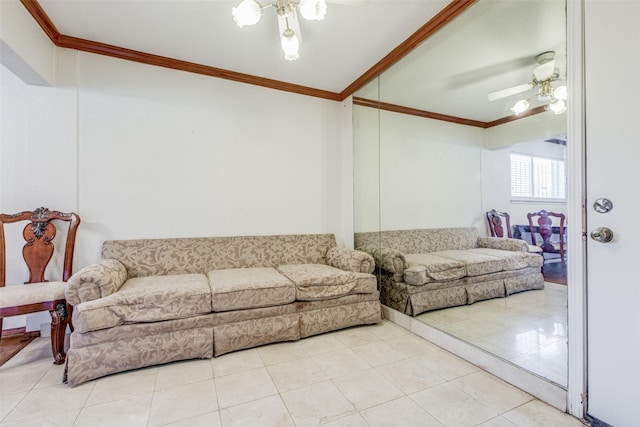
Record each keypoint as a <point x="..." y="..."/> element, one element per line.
<point x="528" y="329"/>
<point x="379" y="375"/>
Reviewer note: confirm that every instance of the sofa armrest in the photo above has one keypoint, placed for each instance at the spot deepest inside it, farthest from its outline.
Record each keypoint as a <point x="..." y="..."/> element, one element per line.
<point x="95" y="281"/>
<point x="350" y="260"/>
<point x="391" y="260"/>
<point x="505" y="244"/>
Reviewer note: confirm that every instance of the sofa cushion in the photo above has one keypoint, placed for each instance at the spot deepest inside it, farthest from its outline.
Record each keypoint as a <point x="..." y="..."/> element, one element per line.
<point x="243" y="288"/>
<point x="511" y="260"/>
<point x="146" y="299"/>
<point x="426" y="267"/>
<point x="318" y="281"/>
<point x="477" y="263"/>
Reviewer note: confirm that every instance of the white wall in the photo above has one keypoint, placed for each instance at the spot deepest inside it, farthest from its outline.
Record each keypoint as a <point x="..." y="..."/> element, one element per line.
<point x="143" y="152"/>
<point x="496" y="180"/>
<point x="24" y="48"/>
<point x="429" y="172"/>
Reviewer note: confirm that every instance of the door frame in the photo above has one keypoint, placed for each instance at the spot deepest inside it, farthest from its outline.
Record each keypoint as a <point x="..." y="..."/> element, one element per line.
<point x="576" y="211"/>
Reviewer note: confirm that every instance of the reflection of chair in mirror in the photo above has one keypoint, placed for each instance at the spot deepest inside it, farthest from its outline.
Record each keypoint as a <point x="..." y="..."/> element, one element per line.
<point x="498" y="222"/>
<point x="38" y="294"/>
<point x="495" y="219"/>
<point x="544" y="227"/>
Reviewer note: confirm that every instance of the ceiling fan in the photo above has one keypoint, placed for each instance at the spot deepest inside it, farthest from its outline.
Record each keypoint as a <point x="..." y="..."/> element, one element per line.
<point x="543" y="76"/>
<point x="248" y="12"/>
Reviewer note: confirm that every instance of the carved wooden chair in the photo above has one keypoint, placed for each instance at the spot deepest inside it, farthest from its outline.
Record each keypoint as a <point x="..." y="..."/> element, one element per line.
<point x="498" y="222"/>
<point x="39" y="294"/>
<point x="544" y="222"/>
<point x="496" y="219"/>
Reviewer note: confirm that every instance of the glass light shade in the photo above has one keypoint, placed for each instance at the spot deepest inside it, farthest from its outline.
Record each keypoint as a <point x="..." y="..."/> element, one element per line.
<point x="560" y="93"/>
<point x="520" y="106"/>
<point x="313" y="10"/>
<point x="558" y="106"/>
<point x="247" y="13"/>
<point x="290" y="45"/>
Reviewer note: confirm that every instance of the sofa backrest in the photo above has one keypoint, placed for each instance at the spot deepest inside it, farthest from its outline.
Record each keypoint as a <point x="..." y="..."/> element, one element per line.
<point x="151" y="257"/>
<point x="421" y="240"/>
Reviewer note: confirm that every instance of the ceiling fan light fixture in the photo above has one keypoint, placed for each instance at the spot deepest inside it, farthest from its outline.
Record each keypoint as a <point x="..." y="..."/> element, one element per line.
<point x="313" y="10"/>
<point x="248" y="12"/>
<point x="558" y="106"/>
<point x="560" y="93"/>
<point x="520" y="106"/>
<point x="290" y="44"/>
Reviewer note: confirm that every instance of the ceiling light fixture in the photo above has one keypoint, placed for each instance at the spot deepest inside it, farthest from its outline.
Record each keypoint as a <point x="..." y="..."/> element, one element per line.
<point x="557" y="99"/>
<point x="248" y="12"/>
<point x="543" y="77"/>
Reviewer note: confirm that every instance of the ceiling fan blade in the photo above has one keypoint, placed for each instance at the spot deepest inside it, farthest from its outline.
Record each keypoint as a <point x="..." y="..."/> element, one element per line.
<point x="503" y="93"/>
<point x="544" y="71"/>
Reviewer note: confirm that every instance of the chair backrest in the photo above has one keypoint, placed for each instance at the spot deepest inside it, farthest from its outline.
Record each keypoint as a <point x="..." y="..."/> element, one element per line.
<point x="38" y="234"/>
<point x="496" y="227"/>
<point x="545" y="228"/>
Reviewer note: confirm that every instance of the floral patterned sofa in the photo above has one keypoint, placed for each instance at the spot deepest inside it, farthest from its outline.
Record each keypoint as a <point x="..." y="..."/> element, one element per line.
<point x="154" y="301"/>
<point x="428" y="269"/>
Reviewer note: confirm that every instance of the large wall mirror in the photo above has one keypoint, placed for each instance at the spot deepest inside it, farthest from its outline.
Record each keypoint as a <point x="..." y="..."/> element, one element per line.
<point x="432" y="151"/>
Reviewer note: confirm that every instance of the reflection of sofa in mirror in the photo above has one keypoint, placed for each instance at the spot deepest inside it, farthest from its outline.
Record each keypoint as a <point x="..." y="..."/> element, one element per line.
<point x="428" y="269"/>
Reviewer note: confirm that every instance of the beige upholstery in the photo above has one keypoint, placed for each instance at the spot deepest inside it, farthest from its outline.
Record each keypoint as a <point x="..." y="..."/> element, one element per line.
<point x="161" y="300"/>
<point x="428" y="269"/>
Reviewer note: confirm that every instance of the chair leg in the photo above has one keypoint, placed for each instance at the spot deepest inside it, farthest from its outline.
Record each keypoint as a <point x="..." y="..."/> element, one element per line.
<point x="0" y="328"/>
<point x="70" y="316"/>
<point x="59" y="320"/>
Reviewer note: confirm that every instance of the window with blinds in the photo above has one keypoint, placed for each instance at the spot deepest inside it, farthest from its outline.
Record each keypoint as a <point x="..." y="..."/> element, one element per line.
<point x="535" y="177"/>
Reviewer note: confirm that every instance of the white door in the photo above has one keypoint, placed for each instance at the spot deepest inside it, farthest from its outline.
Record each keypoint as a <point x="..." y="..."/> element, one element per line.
<point x="612" y="94"/>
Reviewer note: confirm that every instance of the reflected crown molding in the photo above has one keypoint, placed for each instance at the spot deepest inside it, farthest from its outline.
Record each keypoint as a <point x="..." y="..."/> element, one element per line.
<point x="437" y="116"/>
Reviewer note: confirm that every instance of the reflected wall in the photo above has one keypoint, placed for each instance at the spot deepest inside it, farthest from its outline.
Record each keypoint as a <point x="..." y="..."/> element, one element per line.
<point x="415" y="172"/>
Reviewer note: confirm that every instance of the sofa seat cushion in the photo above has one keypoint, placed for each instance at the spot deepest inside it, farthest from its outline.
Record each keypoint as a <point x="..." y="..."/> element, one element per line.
<point x="477" y="263"/>
<point x="319" y="281"/>
<point x="146" y="299"/>
<point x="254" y="287"/>
<point x="511" y="260"/>
<point x="427" y="267"/>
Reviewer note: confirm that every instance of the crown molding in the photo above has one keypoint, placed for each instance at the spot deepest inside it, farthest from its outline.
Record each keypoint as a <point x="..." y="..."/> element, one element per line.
<point x="450" y="12"/>
<point x="445" y="16"/>
<point x="443" y="117"/>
